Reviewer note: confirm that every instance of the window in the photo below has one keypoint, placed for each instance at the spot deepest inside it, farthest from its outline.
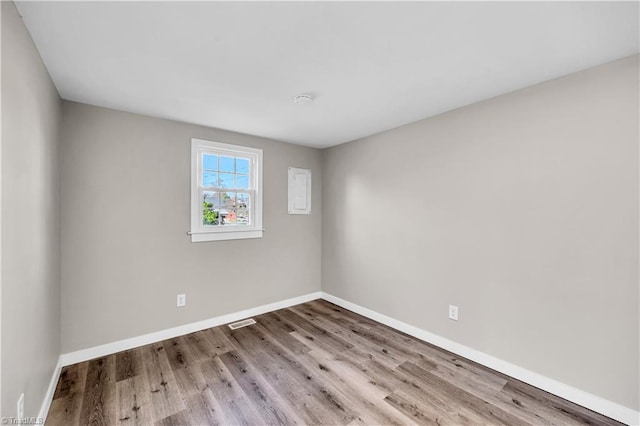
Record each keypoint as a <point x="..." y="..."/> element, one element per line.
<point x="226" y="191"/>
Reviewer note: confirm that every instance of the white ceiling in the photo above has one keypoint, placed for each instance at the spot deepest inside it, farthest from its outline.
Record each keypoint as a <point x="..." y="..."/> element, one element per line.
<point x="370" y="66"/>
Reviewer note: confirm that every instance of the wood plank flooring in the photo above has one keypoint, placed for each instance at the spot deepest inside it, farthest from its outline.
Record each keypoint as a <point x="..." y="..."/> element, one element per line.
<point x="314" y="363"/>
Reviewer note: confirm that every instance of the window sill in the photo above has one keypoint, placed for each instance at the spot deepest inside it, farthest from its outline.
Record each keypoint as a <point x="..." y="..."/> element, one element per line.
<point x="200" y="237"/>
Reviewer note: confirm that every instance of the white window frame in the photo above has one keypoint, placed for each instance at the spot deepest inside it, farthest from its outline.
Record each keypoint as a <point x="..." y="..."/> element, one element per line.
<point x="199" y="232"/>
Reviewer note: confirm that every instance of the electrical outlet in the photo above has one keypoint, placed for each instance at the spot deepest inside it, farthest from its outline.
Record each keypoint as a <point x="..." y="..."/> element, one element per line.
<point x="20" y="408"/>
<point x="181" y="300"/>
<point x="453" y="312"/>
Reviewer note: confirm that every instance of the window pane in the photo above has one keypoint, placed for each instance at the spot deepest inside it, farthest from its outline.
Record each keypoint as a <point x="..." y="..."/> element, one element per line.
<point x="210" y="208"/>
<point x="210" y="179"/>
<point x="226" y="180"/>
<point x="227" y="164"/>
<point x="211" y="197"/>
<point x="243" y="205"/>
<point x="210" y="162"/>
<point x="210" y="217"/>
<point x="226" y="204"/>
<point x="242" y="165"/>
<point x="226" y="200"/>
<point x="243" y="217"/>
<point x="242" y="181"/>
<point x="235" y="209"/>
<point x="231" y="217"/>
<point x="243" y="200"/>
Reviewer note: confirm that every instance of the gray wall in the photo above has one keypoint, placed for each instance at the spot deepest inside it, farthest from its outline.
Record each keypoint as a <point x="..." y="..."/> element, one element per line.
<point x="125" y="213"/>
<point x="30" y="220"/>
<point x="522" y="210"/>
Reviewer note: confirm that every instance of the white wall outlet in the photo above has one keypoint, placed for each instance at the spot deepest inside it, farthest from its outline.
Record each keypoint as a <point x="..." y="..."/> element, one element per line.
<point x="20" y="407"/>
<point x="453" y="312"/>
<point x="181" y="300"/>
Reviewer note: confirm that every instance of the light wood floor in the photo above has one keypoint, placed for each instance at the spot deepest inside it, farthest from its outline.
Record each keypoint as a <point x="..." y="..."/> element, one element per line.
<point x="313" y="363"/>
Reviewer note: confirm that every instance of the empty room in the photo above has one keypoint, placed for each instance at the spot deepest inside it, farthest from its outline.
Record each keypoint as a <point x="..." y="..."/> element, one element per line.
<point x="320" y="213"/>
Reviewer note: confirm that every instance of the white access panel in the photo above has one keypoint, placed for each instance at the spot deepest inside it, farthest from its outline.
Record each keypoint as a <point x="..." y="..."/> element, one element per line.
<point x="299" y="191"/>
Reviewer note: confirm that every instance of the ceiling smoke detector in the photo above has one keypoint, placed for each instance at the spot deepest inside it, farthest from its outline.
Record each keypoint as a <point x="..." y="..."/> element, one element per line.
<point x="303" y="99"/>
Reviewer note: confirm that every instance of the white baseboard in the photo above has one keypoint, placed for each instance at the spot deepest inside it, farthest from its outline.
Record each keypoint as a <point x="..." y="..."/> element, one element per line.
<point x="593" y="402"/>
<point x="48" y="397"/>
<point x="134" y="342"/>
<point x="580" y="397"/>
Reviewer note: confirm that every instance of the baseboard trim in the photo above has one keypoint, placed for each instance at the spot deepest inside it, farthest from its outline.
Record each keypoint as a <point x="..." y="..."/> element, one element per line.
<point x="580" y="397"/>
<point x="48" y="397"/>
<point x="134" y="342"/>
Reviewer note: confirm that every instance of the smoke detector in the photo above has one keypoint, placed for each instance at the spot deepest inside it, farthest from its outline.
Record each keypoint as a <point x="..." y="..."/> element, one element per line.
<point x="303" y="99"/>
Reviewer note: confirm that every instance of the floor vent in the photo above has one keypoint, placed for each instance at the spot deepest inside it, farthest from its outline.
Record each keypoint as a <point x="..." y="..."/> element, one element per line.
<point x="242" y="323"/>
